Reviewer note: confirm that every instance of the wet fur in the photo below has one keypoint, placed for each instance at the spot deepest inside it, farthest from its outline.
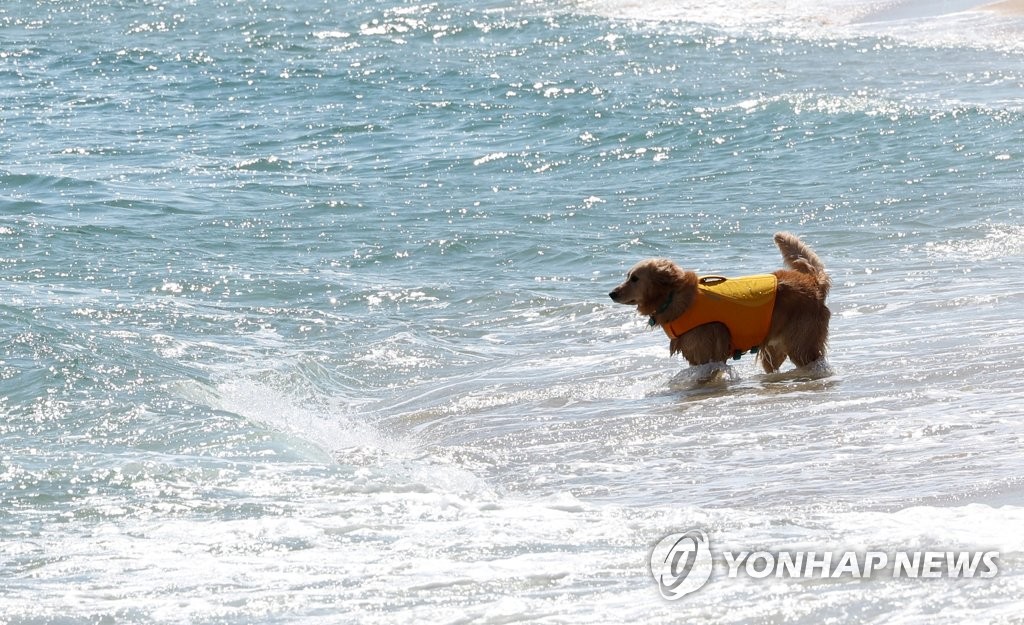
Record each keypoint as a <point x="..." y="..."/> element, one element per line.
<point x="799" y="327"/>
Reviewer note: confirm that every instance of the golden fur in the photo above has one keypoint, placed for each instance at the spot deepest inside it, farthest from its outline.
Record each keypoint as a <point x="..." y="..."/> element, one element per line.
<point x="799" y="327"/>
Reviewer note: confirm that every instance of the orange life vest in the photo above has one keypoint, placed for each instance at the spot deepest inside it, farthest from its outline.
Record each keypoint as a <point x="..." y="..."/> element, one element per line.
<point x="744" y="305"/>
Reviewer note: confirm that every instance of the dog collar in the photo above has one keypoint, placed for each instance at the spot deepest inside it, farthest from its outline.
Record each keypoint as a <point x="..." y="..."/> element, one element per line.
<point x="653" y="321"/>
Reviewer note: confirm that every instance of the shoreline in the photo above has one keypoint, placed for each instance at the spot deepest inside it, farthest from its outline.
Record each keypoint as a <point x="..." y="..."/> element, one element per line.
<point x="1008" y="7"/>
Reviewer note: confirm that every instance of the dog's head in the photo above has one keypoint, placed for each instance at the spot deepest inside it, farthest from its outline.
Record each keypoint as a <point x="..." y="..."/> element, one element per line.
<point x="649" y="283"/>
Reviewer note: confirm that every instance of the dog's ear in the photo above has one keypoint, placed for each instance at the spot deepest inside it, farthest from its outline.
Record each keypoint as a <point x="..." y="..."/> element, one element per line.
<point x="666" y="275"/>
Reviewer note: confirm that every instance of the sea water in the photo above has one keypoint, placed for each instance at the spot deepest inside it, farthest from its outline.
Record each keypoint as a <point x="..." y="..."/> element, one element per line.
<point x="304" y="307"/>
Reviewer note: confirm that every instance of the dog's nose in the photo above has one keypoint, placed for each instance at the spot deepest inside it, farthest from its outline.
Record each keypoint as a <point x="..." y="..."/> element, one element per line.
<point x="613" y="296"/>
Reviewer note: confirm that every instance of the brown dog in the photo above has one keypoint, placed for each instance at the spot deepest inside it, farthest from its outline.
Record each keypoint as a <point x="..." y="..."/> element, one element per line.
<point x="780" y="315"/>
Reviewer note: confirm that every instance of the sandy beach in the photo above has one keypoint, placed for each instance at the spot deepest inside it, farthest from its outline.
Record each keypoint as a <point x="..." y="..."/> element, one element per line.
<point x="1015" y="7"/>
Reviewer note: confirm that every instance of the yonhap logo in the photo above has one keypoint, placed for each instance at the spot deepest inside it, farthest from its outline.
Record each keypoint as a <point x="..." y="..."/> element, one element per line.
<point x="681" y="563"/>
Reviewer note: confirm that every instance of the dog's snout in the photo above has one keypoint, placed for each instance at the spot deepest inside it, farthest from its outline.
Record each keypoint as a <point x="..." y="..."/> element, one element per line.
<point x="614" y="295"/>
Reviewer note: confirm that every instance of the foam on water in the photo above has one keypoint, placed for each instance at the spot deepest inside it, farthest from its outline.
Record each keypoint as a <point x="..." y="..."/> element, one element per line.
<point x="955" y="23"/>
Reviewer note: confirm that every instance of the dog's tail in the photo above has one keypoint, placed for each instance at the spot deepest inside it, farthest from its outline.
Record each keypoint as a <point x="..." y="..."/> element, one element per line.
<point x="800" y="257"/>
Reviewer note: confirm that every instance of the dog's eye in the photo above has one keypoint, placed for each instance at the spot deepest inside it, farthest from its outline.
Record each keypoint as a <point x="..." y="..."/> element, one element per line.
<point x="634" y="279"/>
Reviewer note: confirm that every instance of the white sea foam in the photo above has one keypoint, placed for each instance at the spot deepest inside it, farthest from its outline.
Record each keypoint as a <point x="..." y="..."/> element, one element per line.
<point x="948" y="22"/>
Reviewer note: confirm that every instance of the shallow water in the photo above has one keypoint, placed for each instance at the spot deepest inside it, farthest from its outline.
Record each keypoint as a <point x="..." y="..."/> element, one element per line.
<point x="306" y="318"/>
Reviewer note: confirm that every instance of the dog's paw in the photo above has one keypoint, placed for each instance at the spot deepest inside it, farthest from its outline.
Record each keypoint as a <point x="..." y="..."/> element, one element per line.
<point x="818" y="369"/>
<point x="710" y="374"/>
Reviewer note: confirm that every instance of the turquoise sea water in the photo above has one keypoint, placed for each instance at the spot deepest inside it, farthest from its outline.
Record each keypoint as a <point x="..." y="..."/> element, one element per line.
<point x="304" y="308"/>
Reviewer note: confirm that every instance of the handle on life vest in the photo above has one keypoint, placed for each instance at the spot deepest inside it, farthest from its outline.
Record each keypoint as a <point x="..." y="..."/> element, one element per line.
<point x="713" y="280"/>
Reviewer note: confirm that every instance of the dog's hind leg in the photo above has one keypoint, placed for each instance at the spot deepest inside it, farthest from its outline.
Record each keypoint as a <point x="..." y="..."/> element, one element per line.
<point x="771" y="356"/>
<point x="804" y="357"/>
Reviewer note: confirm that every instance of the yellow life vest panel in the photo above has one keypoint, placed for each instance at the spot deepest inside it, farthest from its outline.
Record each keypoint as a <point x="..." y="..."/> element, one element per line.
<point x="744" y="305"/>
